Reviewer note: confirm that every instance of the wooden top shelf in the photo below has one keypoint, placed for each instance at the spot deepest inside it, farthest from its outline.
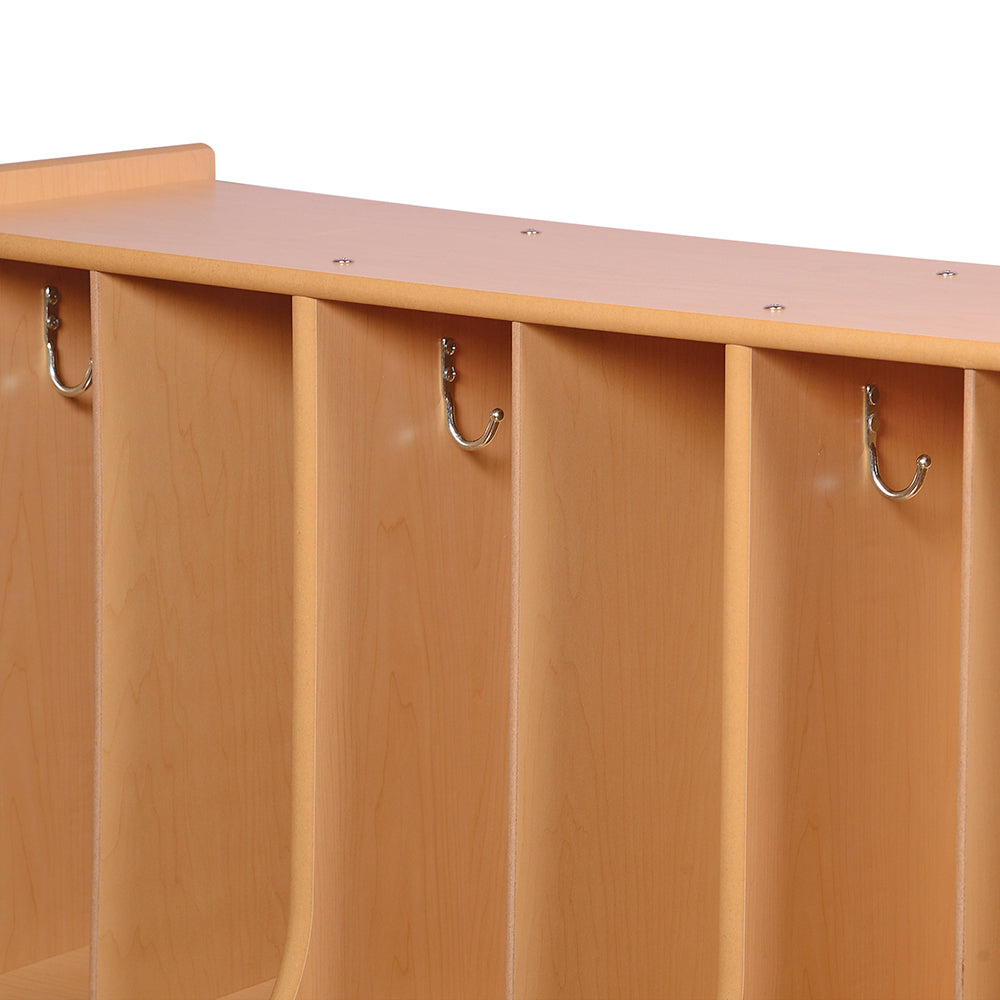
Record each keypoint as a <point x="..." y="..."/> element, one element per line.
<point x="212" y="232"/>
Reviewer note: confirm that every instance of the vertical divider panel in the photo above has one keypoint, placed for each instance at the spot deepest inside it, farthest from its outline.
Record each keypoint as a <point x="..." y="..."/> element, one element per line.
<point x="854" y="682"/>
<point x="46" y="625"/>
<point x="305" y="388"/>
<point x="618" y="659"/>
<point x="735" y="677"/>
<point x="412" y="660"/>
<point x="194" y="451"/>
<point x="978" y="971"/>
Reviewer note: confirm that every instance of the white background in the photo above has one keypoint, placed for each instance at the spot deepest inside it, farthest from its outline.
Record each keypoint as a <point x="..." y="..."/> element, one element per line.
<point x="851" y="125"/>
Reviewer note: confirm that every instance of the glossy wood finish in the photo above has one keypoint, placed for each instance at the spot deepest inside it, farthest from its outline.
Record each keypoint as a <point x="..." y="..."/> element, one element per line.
<point x="46" y="625"/>
<point x="413" y="650"/>
<point x="87" y="176"/>
<point x="978" y="954"/>
<point x="618" y="658"/>
<point x="853" y="683"/>
<point x="195" y="527"/>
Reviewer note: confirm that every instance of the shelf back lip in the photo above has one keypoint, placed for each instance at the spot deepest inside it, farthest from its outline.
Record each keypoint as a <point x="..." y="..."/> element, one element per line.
<point x="100" y="173"/>
<point x="949" y="350"/>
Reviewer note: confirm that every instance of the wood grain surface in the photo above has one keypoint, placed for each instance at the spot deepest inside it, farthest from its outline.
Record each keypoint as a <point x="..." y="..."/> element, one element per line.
<point x="679" y="287"/>
<point x="412" y="662"/>
<point x="194" y="446"/>
<point x="83" y="176"/>
<point x="854" y="683"/>
<point x="46" y="624"/>
<point x="618" y="656"/>
<point x="978" y="965"/>
<point x="61" y="977"/>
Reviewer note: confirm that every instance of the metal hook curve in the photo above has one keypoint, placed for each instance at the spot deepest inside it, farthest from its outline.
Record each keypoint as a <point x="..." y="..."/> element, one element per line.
<point x="50" y="325"/>
<point x="871" y="430"/>
<point x="448" y="376"/>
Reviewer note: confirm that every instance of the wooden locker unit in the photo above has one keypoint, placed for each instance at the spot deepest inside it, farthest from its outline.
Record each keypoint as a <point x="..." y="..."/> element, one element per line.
<point x="653" y="695"/>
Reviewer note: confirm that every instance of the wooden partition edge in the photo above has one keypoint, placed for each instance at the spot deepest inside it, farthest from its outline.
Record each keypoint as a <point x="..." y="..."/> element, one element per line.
<point x="735" y="680"/>
<point x="72" y="176"/>
<point x="95" y="871"/>
<point x="968" y="469"/>
<point x="305" y="403"/>
<point x="515" y="618"/>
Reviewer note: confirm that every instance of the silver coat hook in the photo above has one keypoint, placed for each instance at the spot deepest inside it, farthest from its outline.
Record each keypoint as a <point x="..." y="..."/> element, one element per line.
<point x="871" y="430"/>
<point x="52" y="323"/>
<point x="448" y="375"/>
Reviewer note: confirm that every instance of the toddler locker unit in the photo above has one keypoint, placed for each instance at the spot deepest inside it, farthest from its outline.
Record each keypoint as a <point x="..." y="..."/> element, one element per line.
<point x="655" y="693"/>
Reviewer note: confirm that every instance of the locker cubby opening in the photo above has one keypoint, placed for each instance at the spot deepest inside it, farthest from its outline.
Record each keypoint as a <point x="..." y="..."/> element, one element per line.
<point x="194" y="445"/>
<point x="406" y="629"/>
<point x="618" y="538"/>
<point x="46" y="640"/>
<point x="854" y="680"/>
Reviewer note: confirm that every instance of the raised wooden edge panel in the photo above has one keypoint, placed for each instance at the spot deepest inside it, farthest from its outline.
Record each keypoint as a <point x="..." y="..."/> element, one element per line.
<point x="46" y="624"/>
<point x="854" y="683"/>
<point x="978" y="971"/>
<point x="413" y="654"/>
<point x="195" y="441"/>
<point x="73" y="176"/>
<point x="618" y="659"/>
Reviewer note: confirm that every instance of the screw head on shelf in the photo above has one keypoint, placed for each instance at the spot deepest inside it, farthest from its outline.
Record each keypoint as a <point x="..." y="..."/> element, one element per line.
<point x="774" y="307"/>
<point x="343" y="260"/>
<point x="531" y="232"/>
<point x="947" y="274"/>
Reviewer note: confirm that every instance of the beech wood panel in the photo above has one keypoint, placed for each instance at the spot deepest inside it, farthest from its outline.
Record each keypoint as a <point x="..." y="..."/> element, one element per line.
<point x="618" y="656"/>
<point x="259" y="991"/>
<point x="979" y="950"/>
<point x="854" y="683"/>
<point x="413" y="653"/>
<point x="195" y="444"/>
<point x="62" y="977"/>
<point x="78" y="176"/>
<point x="46" y="623"/>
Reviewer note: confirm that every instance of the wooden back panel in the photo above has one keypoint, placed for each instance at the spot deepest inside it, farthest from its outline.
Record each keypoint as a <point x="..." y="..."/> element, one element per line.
<point x="46" y="623"/>
<point x="618" y="528"/>
<point x="854" y="635"/>
<point x="411" y="662"/>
